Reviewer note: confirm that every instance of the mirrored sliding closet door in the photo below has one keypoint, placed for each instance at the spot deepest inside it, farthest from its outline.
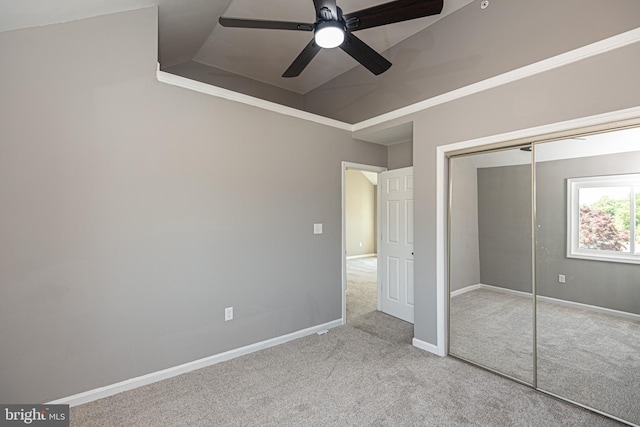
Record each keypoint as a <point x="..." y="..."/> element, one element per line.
<point x="578" y="199"/>
<point x="588" y="271"/>
<point x="490" y="261"/>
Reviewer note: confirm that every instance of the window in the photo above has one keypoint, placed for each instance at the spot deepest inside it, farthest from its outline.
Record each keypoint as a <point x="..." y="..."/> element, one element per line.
<point x="604" y="218"/>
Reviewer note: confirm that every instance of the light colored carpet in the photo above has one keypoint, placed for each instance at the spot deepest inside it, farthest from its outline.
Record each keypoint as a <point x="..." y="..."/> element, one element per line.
<point x="362" y="303"/>
<point x="590" y="358"/>
<point x="494" y="330"/>
<point x="364" y="373"/>
<point x="362" y="287"/>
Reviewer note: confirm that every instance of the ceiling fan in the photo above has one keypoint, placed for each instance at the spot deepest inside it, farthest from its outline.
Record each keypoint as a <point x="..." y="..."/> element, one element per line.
<point x="334" y="29"/>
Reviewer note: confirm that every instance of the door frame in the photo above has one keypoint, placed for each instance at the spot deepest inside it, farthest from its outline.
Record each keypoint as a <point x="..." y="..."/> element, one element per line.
<point x="367" y="168"/>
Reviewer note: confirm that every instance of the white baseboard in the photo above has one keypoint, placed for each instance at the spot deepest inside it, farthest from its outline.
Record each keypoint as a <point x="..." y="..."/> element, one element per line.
<point x="594" y="308"/>
<point x="505" y="290"/>
<point x="603" y="310"/>
<point x="423" y="345"/>
<point x="110" y="390"/>
<point x="361" y="256"/>
<point x="465" y="290"/>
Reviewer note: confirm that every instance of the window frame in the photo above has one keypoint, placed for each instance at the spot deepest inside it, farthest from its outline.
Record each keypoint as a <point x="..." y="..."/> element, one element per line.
<point x="573" y="217"/>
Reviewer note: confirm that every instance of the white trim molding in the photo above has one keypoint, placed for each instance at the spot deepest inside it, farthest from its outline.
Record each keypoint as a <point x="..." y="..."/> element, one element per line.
<point x="130" y="384"/>
<point x="423" y="345"/>
<point x="489" y="288"/>
<point x="594" y="308"/>
<point x="593" y="49"/>
<point x="361" y="256"/>
<point x="219" y="92"/>
<point x="466" y="289"/>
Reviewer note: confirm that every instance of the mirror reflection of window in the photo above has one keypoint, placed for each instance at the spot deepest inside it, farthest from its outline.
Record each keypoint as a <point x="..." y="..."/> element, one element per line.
<point x="602" y="217"/>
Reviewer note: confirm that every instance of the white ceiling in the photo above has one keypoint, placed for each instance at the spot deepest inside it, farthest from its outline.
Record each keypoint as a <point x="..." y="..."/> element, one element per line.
<point x="189" y="30"/>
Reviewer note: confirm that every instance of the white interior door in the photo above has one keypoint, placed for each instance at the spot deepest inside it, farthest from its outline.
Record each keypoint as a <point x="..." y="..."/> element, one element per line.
<point x="395" y="250"/>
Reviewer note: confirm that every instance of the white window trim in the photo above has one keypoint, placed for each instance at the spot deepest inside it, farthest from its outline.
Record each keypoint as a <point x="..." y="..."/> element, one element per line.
<point x="573" y="218"/>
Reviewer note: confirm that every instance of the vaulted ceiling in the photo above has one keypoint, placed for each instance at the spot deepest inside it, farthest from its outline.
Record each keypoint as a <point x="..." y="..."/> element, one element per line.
<point x="264" y="55"/>
<point x="431" y="56"/>
<point x="189" y="31"/>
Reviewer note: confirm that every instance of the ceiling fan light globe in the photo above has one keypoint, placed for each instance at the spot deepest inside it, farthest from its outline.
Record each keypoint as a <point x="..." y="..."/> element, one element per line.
<point x="329" y="36"/>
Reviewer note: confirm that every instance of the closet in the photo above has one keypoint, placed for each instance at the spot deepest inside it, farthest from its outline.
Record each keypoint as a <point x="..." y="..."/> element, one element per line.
<point x="544" y="266"/>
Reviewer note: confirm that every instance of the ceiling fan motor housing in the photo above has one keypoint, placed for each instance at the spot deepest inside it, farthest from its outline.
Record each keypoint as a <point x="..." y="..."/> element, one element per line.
<point x="329" y="34"/>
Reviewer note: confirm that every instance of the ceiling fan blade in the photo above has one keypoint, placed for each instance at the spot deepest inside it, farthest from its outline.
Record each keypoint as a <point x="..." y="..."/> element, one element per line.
<point x="389" y="13"/>
<point x="301" y="62"/>
<point x="364" y="54"/>
<point x="269" y="25"/>
<point x="328" y="4"/>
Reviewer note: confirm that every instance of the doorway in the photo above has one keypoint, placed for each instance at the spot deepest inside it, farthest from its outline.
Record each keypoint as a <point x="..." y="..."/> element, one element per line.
<point x="393" y="245"/>
<point x="359" y="239"/>
<point x="360" y="285"/>
<point x="361" y="242"/>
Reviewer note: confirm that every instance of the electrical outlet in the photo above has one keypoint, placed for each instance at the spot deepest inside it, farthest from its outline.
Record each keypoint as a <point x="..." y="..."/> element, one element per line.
<point x="228" y="314"/>
<point x="561" y="278"/>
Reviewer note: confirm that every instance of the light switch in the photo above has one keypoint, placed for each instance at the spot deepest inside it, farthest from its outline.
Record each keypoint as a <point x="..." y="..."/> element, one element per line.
<point x="317" y="228"/>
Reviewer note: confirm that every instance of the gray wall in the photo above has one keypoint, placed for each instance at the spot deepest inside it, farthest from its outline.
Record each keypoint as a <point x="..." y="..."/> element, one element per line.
<point x="605" y="284"/>
<point x="468" y="46"/>
<point x="464" y="249"/>
<point x="504" y="213"/>
<point x="133" y="212"/>
<point x="400" y="155"/>
<point x="224" y="79"/>
<point x="504" y="223"/>
<point x="360" y="214"/>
